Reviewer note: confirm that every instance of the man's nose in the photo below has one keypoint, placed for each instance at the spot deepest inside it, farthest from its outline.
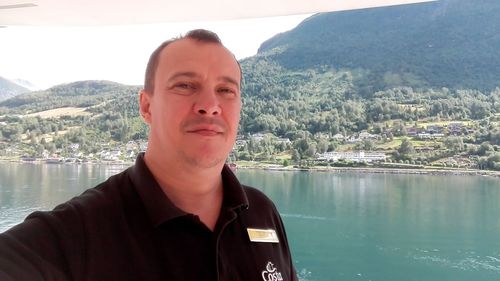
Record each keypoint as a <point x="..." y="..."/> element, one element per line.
<point x="207" y="104"/>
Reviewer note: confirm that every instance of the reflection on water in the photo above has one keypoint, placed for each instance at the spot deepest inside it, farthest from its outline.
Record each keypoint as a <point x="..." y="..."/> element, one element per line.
<point x="340" y="226"/>
<point x="26" y="187"/>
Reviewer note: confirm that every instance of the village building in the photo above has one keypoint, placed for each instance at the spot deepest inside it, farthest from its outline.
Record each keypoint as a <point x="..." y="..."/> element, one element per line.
<point x="354" y="156"/>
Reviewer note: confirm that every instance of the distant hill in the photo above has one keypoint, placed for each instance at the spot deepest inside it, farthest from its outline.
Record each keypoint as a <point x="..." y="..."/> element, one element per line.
<point x="77" y="94"/>
<point x="448" y="43"/>
<point x="26" y="84"/>
<point x="10" y="89"/>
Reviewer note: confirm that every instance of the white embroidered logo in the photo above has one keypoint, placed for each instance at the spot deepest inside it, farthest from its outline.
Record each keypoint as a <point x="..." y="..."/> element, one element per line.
<point x="271" y="273"/>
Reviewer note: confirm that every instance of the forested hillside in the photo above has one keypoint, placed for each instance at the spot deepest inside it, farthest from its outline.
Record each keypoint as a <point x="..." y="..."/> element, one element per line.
<point x="447" y="43"/>
<point x="280" y="100"/>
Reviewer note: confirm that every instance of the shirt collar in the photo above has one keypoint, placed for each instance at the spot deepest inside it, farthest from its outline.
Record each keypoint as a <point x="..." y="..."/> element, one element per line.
<point x="159" y="207"/>
<point x="235" y="197"/>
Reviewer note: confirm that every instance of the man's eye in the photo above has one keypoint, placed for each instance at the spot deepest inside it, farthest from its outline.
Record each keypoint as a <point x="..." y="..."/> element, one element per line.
<point x="183" y="86"/>
<point x="226" y="90"/>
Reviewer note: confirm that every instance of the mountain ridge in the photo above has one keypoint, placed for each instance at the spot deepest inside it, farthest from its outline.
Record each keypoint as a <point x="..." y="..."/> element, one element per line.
<point x="9" y="88"/>
<point x="450" y="43"/>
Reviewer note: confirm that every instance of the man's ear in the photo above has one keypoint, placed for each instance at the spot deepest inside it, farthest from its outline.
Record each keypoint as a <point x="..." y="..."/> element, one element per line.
<point x="145" y="105"/>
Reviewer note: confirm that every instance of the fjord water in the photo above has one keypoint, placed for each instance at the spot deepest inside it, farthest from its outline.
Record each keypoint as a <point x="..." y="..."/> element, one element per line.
<point x="341" y="226"/>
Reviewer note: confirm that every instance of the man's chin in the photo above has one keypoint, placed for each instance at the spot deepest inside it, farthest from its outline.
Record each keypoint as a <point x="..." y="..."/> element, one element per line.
<point x="204" y="162"/>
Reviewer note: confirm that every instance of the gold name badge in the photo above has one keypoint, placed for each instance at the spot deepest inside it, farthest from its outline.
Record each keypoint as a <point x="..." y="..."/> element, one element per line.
<point x="262" y="235"/>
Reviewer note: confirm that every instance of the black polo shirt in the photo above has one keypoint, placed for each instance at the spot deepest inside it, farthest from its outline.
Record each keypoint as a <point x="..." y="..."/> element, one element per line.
<point x="127" y="229"/>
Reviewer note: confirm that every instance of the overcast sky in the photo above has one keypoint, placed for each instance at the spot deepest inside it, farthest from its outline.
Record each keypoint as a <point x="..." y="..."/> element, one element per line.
<point x="47" y="56"/>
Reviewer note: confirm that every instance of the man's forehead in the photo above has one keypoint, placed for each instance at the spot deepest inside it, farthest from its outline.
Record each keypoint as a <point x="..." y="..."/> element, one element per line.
<point x="190" y="48"/>
<point x="186" y="50"/>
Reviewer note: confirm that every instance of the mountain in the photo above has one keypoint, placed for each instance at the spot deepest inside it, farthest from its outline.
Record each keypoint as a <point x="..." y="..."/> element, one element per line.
<point x="448" y="43"/>
<point x="10" y="89"/>
<point x="81" y="94"/>
<point x="26" y="84"/>
<point x="345" y="71"/>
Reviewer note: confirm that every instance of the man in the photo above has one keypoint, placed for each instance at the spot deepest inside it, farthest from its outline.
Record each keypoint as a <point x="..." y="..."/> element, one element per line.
<point x="179" y="213"/>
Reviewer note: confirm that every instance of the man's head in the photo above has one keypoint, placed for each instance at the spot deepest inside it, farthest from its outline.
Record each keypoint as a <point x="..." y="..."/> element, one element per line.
<point x="197" y="34"/>
<point x="191" y="100"/>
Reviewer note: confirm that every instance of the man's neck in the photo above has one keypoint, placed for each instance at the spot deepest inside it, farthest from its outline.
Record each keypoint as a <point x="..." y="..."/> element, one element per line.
<point x="194" y="190"/>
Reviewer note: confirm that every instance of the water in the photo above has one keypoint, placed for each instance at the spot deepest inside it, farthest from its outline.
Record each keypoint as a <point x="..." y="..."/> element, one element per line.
<point x="388" y="227"/>
<point x="340" y="226"/>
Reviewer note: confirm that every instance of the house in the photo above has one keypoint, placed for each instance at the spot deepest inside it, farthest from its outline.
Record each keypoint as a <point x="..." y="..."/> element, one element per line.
<point x="338" y="137"/>
<point x="322" y="136"/>
<point x="366" y="136"/>
<point x="455" y="129"/>
<point x="112" y="155"/>
<point x="355" y="156"/>
<point x="429" y="136"/>
<point x="74" y="147"/>
<point x="283" y="140"/>
<point x="241" y="143"/>
<point x="412" y="131"/>
<point x="131" y="145"/>
<point x="257" y="137"/>
<point x="434" y="129"/>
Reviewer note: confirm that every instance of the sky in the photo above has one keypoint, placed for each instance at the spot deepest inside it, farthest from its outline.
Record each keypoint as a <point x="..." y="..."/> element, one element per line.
<point x="48" y="56"/>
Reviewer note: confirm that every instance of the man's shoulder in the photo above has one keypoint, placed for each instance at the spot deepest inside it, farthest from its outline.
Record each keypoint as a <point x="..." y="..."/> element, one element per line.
<point x="57" y="240"/>
<point x="106" y="192"/>
<point x="257" y="200"/>
<point x="255" y="194"/>
<point x="100" y="201"/>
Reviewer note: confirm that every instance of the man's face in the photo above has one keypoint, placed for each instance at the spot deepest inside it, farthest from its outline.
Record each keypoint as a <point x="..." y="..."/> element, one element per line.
<point x="195" y="108"/>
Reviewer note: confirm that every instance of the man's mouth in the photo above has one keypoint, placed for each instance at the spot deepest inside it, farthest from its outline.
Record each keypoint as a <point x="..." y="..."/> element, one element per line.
<point x="205" y="127"/>
<point x="205" y="132"/>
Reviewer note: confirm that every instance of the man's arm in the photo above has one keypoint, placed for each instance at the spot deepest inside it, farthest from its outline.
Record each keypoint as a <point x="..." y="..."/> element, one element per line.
<point x="33" y="251"/>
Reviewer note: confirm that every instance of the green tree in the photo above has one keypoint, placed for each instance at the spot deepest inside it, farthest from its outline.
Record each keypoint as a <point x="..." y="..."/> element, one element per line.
<point x="311" y="150"/>
<point x="406" y="149"/>
<point x="454" y="144"/>
<point x="493" y="162"/>
<point x="296" y="156"/>
<point x="366" y="144"/>
<point x="484" y="149"/>
<point x="322" y="145"/>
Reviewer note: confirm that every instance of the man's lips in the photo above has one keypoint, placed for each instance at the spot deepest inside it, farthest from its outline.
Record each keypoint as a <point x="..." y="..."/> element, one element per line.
<point x="205" y="130"/>
<point x="205" y="126"/>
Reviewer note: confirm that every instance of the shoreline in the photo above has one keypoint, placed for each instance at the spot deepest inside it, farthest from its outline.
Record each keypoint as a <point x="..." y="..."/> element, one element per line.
<point x="267" y="167"/>
<point x="43" y="162"/>
<point x="375" y="170"/>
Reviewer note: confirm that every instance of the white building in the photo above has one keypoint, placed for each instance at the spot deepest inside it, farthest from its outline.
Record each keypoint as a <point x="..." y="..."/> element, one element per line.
<point x="355" y="156"/>
<point x="257" y="137"/>
<point x="366" y="135"/>
<point x="241" y="142"/>
<point x="430" y="136"/>
<point x="338" y="137"/>
<point x="283" y="140"/>
<point x="131" y="145"/>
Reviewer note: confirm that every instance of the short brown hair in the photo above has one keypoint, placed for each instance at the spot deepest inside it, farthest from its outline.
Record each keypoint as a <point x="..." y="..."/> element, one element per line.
<point x="197" y="34"/>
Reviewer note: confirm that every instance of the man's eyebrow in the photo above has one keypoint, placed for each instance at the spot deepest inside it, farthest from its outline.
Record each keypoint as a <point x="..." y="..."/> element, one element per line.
<point x="230" y="80"/>
<point x="183" y="73"/>
<point x="191" y="74"/>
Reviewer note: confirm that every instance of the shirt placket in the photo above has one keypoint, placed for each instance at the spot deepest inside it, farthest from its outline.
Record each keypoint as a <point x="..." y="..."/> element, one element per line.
<point x="231" y="217"/>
